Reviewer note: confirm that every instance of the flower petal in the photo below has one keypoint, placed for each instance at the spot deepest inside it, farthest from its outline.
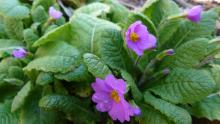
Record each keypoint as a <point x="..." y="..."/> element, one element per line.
<point x="147" y="42"/>
<point x="194" y="14"/>
<point x="120" y="111"/>
<point x="100" y="97"/>
<point x="116" y="84"/>
<point x="55" y="14"/>
<point x="100" y="86"/>
<point x="104" y="106"/>
<point x="135" y="48"/>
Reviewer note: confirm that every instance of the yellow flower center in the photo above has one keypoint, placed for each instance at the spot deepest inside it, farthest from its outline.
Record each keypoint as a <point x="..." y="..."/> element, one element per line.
<point x="134" y="37"/>
<point x="114" y="95"/>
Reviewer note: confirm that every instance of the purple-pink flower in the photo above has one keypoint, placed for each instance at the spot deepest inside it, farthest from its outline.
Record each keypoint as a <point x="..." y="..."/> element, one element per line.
<point x="109" y="96"/>
<point x="55" y="14"/>
<point x="19" y="53"/>
<point x="139" y="39"/>
<point x="194" y="14"/>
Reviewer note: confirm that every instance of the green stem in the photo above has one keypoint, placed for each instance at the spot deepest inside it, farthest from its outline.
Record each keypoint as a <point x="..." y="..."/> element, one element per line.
<point x="137" y="60"/>
<point x="147" y="70"/>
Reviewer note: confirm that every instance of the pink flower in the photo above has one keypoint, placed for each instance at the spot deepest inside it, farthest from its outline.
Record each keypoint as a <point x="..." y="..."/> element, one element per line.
<point x="55" y="14"/>
<point x="19" y="53"/>
<point x="109" y="96"/>
<point x="139" y="39"/>
<point x="194" y="14"/>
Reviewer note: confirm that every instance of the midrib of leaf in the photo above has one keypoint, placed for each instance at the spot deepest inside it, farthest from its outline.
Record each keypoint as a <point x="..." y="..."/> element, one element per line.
<point x="180" y="41"/>
<point x="92" y="38"/>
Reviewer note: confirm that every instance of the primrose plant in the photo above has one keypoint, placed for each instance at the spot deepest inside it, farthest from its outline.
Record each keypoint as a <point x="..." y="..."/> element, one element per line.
<point x="90" y="62"/>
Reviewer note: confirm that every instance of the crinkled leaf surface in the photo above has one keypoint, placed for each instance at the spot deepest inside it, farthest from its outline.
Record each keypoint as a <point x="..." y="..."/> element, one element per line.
<point x="207" y="108"/>
<point x="185" y="86"/>
<point x="96" y="66"/>
<point x="174" y="113"/>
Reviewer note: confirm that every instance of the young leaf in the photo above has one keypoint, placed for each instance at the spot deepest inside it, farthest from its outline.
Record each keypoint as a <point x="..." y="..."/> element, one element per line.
<point x="96" y="66"/>
<point x="20" y="98"/>
<point x="94" y="9"/>
<point x="185" y="86"/>
<point x="174" y="113"/>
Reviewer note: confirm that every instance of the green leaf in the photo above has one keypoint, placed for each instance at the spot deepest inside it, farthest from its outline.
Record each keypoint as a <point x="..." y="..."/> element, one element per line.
<point x="176" y="114"/>
<point x="8" y="45"/>
<point x="13" y="81"/>
<point x="94" y="9"/>
<point x="113" y="53"/>
<point x="39" y="14"/>
<point x="134" y="16"/>
<point x="166" y="30"/>
<point x="4" y="68"/>
<point x="14" y="28"/>
<point x="44" y="78"/>
<point x="147" y="5"/>
<point x="79" y="74"/>
<point x="88" y="32"/>
<point x="207" y="108"/>
<point x="189" y="55"/>
<point x="150" y="115"/>
<point x="30" y="113"/>
<point x="59" y="88"/>
<point x="137" y="95"/>
<point x="185" y="86"/>
<point x="16" y="72"/>
<point x="20" y="98"/>
<point x="45" y="3"/>
<point x="59" y="48"/>
<point x="13" y="8"/>
<point x="158" y="10"/>
<point x="53" y="55"/>
<point x="8" y="91"/>
<point x="6" y="116"/>
<point x="215" y="72"/>
<point x="56" y="34"/>
<point x="96" y="66"/>
<point x="70" y="105"/>
<point x="189" y="31"/>
<point x="51" y="64"/>
<point x="118" y="11"/>
<point x="30" y="37"/>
